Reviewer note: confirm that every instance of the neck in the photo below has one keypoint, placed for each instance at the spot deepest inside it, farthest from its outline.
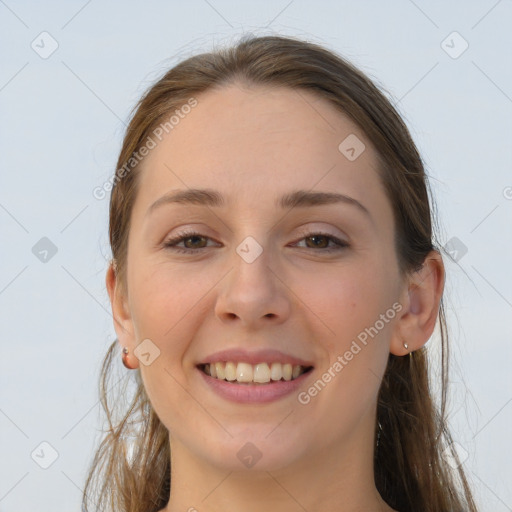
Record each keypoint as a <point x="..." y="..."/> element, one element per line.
<point x="339" y="480"/>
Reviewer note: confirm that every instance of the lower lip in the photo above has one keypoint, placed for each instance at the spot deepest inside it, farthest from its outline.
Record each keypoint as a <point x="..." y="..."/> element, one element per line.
<point x="254" y="393"/>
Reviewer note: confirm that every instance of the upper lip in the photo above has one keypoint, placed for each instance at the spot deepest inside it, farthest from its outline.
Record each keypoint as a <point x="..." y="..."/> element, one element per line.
<point x="254" y="357"/>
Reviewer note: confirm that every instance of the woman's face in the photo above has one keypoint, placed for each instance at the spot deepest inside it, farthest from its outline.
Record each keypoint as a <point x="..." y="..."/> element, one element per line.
<point x="256" y="279"/>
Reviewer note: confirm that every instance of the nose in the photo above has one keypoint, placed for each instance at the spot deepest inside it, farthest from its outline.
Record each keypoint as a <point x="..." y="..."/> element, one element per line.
<point x="253" y="294"/>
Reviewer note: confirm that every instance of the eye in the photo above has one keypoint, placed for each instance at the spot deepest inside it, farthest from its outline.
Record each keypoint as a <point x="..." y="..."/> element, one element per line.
<point x="194" y="242"/>
<point x="321" y="241"/>
<point x="185" y="237"/>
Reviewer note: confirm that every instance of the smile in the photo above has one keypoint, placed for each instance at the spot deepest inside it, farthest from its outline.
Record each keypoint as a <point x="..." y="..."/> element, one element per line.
<point x="261" y="373"/>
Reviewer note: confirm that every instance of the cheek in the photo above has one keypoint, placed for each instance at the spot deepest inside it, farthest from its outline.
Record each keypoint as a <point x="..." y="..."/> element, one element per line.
<point x="356" y="346"/>
<point x="346" y="300"/>
<point x="164" y="302"/>
<point x="163" y="298"/>
<point x="355" y="308"/>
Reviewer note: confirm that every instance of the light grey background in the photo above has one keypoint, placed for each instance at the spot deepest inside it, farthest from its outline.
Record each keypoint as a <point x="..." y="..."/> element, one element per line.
<point x="62" y="119"/>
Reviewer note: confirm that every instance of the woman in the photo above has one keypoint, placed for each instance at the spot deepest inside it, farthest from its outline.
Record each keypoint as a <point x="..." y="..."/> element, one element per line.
<point x="273" y="285"/>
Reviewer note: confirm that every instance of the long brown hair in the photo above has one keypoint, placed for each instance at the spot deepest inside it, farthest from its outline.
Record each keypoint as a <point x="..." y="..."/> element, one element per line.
<point x="411" y="472"/>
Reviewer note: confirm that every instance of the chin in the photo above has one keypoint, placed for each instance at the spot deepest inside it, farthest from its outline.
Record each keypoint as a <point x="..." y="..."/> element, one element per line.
<point x="254" y="451"/>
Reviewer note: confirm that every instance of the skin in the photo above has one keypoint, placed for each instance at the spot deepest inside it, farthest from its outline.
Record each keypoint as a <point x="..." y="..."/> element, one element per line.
<point x="254" y="144"/>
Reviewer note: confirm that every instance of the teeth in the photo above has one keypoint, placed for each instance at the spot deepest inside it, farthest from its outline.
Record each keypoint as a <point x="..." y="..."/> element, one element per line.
<point x="219" y="370"/>
<point x="244" y="372"/>
<point x="276" y="371"/>
<point x="230" y="371"/>
<point x="261" y="373"/>
<point x="287" y="371"/>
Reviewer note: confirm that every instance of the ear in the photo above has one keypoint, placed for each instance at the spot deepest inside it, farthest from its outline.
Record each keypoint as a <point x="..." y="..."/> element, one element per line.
<point x="123" y="323"/>
<point x="421" y="299"/>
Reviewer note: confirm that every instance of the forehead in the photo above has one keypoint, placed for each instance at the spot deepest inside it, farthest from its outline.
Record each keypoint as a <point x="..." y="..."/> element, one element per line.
<point x="255" y="143"/>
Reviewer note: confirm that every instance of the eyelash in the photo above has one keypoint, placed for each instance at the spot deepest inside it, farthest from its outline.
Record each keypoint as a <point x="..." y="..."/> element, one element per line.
<point x="172" y="242"/>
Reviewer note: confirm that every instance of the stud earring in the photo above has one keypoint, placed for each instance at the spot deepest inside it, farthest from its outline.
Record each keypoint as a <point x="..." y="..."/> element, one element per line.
<point x="406" y="346"/>
<point x="125" y="359"/>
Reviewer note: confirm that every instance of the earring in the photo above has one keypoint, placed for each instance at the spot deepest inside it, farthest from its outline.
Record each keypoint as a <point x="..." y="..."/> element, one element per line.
<point x="125" y="359"/>
<point x="406" y="346"/>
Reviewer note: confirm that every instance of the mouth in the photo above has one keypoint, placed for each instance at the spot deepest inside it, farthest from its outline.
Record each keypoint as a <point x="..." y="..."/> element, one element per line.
<point x="253" y="374"/>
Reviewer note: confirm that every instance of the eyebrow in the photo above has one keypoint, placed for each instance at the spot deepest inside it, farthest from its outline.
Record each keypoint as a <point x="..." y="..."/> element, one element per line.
<point x="295" y="199"/>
